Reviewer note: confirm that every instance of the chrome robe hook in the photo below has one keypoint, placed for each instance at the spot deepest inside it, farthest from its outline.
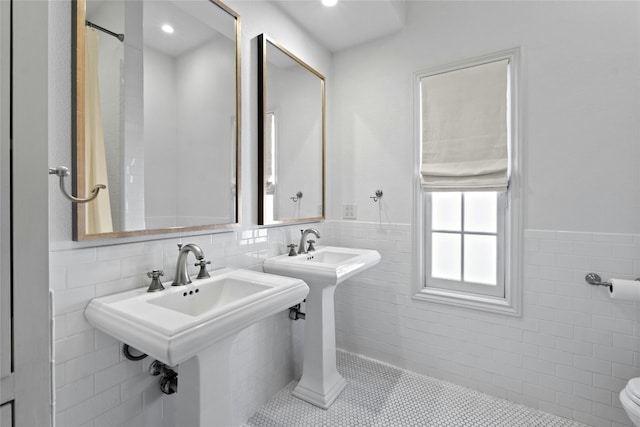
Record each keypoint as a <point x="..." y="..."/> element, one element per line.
<point x="62" y="172"/>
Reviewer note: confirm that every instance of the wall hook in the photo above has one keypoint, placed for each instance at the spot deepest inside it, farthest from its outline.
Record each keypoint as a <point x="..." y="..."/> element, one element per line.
<point x="297" y="197"/>
<point x="62" y="172"/>
<point x="377" y="196"/>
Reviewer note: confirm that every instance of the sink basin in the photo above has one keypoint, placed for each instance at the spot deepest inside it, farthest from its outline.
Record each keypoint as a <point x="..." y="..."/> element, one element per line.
<point x="322" y="269"/>
<point x="220" y="293"/>
<point x="326" y="266"/>
<point x="177" y="323"/>
<point x="328" y="257"/>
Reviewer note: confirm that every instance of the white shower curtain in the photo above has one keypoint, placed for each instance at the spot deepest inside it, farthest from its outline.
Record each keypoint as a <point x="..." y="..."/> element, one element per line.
<point x="98" y="211"/>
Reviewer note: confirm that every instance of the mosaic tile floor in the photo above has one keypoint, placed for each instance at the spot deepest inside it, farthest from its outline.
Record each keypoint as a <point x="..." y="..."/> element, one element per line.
<point x="381" y="395"/>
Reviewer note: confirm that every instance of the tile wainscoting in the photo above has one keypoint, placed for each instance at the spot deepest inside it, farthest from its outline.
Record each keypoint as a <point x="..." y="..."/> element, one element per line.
<point x="95" y="384"/>
<point x="569" y="354"/>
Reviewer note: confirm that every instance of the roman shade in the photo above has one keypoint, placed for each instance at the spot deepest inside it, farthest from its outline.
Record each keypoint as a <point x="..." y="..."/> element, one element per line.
<point x="465" y="130"/>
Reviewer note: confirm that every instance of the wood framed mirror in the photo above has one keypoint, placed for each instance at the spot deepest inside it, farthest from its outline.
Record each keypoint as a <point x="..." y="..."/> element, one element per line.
<point x="156" y="116"/>
<point x="291" y="137"/>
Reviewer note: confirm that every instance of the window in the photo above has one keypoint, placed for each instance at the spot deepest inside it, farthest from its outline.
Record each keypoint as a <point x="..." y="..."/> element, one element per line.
<point x="465" y="232"/>
<point x="468" y="199"/>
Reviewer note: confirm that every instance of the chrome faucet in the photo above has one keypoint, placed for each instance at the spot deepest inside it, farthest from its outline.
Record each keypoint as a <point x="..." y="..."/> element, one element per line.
<point x="303" y="239"/>
<point x="182" y="273"/>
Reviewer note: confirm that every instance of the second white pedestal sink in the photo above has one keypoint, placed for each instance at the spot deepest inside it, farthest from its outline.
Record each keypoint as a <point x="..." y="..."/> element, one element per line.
<point x="193" y="326"/>
<point x="322" y="270"/>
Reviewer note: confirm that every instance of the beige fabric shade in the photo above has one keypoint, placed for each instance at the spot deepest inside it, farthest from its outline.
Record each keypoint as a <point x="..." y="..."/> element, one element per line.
<point x="465" y="130"/>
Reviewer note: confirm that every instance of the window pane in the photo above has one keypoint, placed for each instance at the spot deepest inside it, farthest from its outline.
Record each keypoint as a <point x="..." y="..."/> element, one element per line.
<point x="481" y="211"/>
<point x="446" y="211"/>
<point x="445" y="256"/>
<point x="480" y="262"/>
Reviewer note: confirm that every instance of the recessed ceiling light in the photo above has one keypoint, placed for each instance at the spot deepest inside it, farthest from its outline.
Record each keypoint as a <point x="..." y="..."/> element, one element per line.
<point x="167" y="29"/>
<point x="329" y="3"/>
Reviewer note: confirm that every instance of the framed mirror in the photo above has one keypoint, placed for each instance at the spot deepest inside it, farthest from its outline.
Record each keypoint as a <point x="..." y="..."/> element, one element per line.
<point x="291" y="137"/>
<point x="157" y="116"/>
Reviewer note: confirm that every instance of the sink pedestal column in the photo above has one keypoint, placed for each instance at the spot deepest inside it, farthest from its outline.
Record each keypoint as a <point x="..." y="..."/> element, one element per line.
<point x="204" y="387"/>
<point x="320" y="383"/>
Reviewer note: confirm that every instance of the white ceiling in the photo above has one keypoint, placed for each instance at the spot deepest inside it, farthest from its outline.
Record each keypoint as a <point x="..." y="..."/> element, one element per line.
<point x="194" y="22"/>
<point x="347" y="24"/>
<point x="189" y="32"/>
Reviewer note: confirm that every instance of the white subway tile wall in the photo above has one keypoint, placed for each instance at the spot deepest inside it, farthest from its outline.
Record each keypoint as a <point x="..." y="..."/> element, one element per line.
<point x="96" y="385"/>
<point x="570" y="353"/>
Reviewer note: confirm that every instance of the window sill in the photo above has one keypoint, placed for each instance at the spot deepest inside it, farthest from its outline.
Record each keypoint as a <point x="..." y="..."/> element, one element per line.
<point x="477" y="302"/>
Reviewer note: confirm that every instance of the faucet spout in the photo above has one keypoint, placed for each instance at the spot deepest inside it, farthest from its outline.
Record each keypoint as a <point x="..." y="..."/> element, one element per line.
<point x="182" y="273"/>
<point x="303" y="239"/>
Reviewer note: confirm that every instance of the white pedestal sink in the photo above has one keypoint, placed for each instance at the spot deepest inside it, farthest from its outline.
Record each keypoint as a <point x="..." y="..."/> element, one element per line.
<point x="193" y="326"/>
<point x="322" y="270"/>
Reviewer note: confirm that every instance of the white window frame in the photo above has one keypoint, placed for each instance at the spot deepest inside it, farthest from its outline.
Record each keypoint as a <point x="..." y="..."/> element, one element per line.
<point x="508" y="302"/>
<point x="465" y="286"/>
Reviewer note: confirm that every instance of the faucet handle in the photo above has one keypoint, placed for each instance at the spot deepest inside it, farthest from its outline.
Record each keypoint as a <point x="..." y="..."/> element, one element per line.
<point x="179" y="247"/>
<point x="203" y="274"/>
<point x="292" y="249"/>
<point x="154" y="274"/>
<point x="156" y="284"/>
<point x="311" y="248"/>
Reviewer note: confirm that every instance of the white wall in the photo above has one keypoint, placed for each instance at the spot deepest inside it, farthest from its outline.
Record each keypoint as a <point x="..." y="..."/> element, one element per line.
<point x="581" y="96"/>
<point x="30" y="129"/>
<point x="573" y="349"/>
<point x="94" y="385"/>
<point x="295" y="96"/>
<point x="206" y="116"/>
<point x="190" y="113"/>
<point x="133" y="159"/>
<point x="160" y="140"/>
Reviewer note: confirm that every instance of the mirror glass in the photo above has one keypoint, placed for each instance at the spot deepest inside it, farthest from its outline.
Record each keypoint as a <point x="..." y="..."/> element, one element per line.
<point x="291" y="127"/>
<point x="157" y="107"/>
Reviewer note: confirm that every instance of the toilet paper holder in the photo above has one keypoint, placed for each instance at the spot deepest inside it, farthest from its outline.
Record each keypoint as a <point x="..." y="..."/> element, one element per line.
<point x="596" y="280"/>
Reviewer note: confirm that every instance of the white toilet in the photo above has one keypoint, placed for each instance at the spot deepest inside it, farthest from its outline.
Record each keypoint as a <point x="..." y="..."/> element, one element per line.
<point x="630" y="399"/>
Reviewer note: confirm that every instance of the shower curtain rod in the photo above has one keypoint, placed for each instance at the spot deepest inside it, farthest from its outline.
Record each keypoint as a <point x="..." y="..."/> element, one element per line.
<point x="98" y="27"/>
